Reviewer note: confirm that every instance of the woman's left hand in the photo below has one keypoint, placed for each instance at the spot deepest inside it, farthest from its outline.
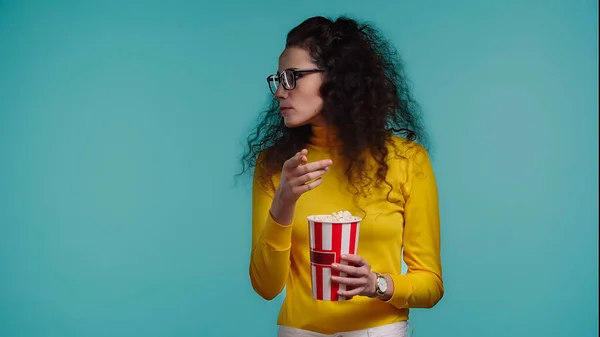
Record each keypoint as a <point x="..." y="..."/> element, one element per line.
<point x="359" y="279"/>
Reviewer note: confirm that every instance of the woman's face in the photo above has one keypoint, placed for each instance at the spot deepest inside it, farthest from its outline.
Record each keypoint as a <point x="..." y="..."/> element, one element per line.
<point x="303" y="104"/>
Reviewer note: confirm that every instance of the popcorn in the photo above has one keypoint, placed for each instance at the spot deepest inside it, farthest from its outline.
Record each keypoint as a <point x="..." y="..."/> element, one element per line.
<point x="341" y="216"/>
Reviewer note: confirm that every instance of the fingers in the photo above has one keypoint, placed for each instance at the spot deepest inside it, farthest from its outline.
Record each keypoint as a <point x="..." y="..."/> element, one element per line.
<point x="354" y="286"/>
<point x="350" y="270"/>
<point x="351" y="292"/>
<point x="354" y="259"/>
<point x="303" y="179"/>
<point x="298" y="162"/>
<point x="298" y="177"/>
<point x="314" y="166"/>
<point x="298" y="159"/>
<point x="307" y="187"/>
<point x="357" y="278"/>
<point x="349" y="281"/>
<point x="357" y="266"/>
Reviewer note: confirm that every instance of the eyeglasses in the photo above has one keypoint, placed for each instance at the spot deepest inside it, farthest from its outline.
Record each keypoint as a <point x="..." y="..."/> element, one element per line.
<point x="288" y="78"/>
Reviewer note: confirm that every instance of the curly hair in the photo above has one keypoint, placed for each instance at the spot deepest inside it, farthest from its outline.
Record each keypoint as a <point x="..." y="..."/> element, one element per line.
<point x="365" y="95"/>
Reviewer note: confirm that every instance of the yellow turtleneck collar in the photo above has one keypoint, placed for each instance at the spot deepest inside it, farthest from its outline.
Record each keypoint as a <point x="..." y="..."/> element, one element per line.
<point x="325" y="136"/>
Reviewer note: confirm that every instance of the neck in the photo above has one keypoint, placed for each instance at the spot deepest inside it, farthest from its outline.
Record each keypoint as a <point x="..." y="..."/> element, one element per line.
<point x="325" y="135"/>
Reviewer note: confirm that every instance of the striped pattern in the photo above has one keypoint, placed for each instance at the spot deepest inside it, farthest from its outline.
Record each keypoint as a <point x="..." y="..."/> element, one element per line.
<point x="328" y="241"/>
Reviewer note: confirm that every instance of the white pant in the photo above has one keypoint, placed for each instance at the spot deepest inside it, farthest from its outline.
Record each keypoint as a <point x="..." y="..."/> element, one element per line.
<point x="391" y="330"/>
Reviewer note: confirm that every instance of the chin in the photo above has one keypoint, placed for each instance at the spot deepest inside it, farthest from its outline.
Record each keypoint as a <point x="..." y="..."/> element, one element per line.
<point x="291" y="123"/>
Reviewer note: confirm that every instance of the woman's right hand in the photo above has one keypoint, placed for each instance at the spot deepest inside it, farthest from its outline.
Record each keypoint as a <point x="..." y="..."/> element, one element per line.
<point x="297" y="178"/>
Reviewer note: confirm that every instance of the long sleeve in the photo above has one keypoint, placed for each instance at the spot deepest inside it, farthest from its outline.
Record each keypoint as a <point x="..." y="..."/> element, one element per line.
<point x="271" y="245"/>
<point x="422" y="285"/>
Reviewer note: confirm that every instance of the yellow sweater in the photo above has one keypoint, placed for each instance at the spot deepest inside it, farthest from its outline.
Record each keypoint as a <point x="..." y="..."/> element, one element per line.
<point x="410" y="222"/>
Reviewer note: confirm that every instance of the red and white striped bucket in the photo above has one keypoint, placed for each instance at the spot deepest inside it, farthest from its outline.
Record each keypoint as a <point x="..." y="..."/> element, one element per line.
<point x="328" y="241"/>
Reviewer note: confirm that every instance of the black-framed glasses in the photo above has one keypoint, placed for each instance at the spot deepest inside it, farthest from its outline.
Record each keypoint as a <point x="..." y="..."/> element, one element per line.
<point x="288" y="78"/>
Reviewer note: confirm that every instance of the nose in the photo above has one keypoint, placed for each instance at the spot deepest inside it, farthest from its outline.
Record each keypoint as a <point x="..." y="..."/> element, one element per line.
<point x="281" y="93"/>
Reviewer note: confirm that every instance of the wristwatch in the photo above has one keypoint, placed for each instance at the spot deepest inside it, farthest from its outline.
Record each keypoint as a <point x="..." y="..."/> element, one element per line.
<point x="380" y="285"/>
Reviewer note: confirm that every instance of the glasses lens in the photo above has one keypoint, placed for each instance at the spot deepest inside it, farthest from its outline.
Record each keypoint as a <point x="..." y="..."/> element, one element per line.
<point x="273" y="83"/>
<point x="287" y="79"/>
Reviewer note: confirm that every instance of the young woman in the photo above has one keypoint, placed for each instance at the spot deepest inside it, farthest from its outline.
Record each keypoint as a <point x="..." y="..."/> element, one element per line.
<point x="343" y="134"/>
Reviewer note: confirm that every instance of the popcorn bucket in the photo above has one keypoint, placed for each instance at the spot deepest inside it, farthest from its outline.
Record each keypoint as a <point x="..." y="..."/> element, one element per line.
<point x="328" y="241"/>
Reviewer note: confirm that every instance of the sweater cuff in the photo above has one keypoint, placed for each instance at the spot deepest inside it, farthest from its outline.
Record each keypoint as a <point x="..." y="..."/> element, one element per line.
<point x="402" y="291"/>
<point x="277" y="236"/>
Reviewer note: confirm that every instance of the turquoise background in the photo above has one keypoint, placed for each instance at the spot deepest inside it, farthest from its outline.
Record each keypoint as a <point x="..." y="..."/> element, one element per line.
<point x="121" y="125"/>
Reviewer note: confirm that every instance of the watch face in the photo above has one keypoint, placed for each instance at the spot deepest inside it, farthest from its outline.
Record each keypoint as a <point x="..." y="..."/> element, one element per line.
<point x="382" y="283"/>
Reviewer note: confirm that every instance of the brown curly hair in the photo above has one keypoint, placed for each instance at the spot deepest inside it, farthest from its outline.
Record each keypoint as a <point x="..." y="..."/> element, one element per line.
<point x="365" y="95"/>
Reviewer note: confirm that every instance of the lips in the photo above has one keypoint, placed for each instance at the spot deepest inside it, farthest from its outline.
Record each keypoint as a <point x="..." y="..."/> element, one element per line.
<point x="284" y="109"/>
